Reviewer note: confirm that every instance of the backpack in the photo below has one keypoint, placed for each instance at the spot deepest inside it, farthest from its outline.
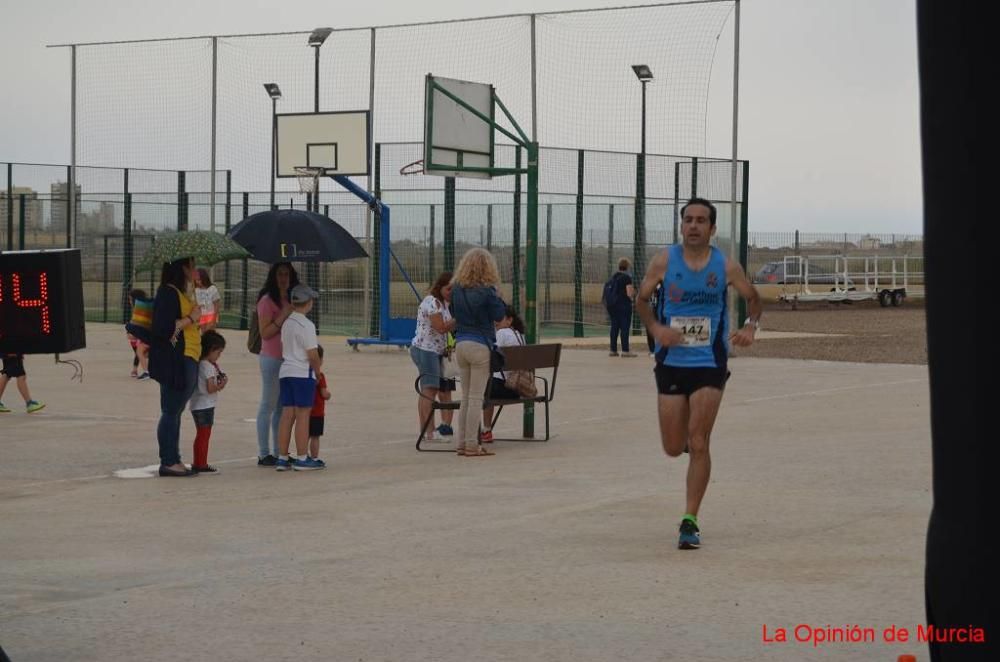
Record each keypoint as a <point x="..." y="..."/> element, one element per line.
<point x="611" y="295"/>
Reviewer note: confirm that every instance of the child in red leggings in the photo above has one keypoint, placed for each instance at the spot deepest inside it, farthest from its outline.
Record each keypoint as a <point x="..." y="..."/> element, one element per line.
<point x="211" y="380"/>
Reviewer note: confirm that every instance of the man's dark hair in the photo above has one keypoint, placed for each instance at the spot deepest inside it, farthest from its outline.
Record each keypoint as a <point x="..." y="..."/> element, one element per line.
<point x="712" y="213"/>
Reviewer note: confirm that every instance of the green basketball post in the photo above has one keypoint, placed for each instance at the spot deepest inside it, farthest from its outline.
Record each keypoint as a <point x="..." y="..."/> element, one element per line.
<point x="531" y="275"/>
<point x="459" y="166"/>
<point x="516" y="241"/>
<point x="744" y="220"/>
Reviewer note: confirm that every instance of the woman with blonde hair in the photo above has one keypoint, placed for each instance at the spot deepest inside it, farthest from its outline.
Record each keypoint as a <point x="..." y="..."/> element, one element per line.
<point x="475" y="307"/>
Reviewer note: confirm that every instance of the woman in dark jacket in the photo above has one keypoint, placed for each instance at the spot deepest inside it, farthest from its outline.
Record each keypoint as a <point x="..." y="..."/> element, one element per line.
<point x="475" y="306"/>
<point x="173" y="358"/>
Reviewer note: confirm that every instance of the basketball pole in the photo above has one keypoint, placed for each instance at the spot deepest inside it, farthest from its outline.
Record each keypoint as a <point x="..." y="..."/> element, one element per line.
<point x="531" y="273"/>
<point x="529" y="144"/>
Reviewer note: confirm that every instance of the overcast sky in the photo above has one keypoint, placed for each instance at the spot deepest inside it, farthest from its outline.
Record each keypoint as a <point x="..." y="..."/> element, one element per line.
<point x="828" y="89"/>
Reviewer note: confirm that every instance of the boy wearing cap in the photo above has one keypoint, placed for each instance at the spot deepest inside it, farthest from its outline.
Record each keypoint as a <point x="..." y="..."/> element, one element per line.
<point x="297" y="380"/>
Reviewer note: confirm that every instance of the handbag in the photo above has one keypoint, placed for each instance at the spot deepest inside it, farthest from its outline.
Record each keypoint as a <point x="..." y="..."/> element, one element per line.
<point x="254" y="340"/>
<point x="521" y="382"/>
<point x="497" y="359"/>
<point x="449" y="365"/>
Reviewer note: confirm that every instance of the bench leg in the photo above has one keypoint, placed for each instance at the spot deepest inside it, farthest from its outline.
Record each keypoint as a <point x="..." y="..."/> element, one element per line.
<point x="497" y="416"/>
<point x="423" y="430"/>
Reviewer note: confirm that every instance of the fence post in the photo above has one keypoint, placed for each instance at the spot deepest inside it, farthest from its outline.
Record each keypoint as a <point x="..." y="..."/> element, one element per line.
<point x="744" y="234"/>
<point x="10" y="206"/>
<point x="578" y="252"/>
<point x="449" y="223"/>
<point x="677" y="196"/>
<point x="227" y="299"/>
<point x="21" y="217"/>
<point x="70" y="201"/>
<point x="244" y="318"/>
<point x="430" y="250"/>
<point x="547" y="314"/>
<point x="128" y="255"/>
<point x="611" y="240"/>
<point x="105" y="280"/>
<point x="182" y="215"/>
<point x="516" y="240"/>
<point x="489" y="228"/>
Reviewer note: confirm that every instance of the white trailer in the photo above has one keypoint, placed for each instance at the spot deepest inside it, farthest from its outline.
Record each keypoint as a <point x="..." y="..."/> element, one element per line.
<point x="837" y="278"/>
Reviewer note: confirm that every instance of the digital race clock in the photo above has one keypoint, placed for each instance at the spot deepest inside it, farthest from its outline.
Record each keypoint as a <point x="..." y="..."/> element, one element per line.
<point x="41" y="302"/>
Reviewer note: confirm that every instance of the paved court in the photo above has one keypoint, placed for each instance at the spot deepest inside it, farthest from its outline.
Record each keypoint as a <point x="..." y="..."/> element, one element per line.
<point x="565" y="550"/>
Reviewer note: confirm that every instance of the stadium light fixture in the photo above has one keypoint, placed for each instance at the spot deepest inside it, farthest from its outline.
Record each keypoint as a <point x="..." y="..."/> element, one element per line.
<point x="642" y="72"/>
<point x="273" y="90"/>
<point x="318" y="36"/>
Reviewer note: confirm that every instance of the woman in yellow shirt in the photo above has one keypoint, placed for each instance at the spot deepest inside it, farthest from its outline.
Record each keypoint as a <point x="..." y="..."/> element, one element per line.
<point x="173" y="358"/>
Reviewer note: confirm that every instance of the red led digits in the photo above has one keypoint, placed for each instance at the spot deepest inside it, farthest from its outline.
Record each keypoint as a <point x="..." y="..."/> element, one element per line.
<point x="42" y="302"/>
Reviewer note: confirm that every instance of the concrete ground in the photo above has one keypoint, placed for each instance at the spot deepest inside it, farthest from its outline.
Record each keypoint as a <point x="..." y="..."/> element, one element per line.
<point x="566" y="550"/>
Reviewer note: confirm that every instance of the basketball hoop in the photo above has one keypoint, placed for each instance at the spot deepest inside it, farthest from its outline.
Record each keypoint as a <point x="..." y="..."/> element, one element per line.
<point x="415" y="168"/>
<point x="309" y="178"/>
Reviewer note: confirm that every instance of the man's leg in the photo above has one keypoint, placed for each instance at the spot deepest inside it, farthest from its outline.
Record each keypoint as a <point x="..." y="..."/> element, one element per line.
<point x="626" y="326"/>
<point x="673" y="414"/>
<point x="614" y="332"/>
<point x="704" y="407"/>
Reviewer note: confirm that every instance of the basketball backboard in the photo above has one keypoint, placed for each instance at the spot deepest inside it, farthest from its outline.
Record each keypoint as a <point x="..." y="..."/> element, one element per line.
<point x="455" y="139"/>
<point x="339" y="142"/>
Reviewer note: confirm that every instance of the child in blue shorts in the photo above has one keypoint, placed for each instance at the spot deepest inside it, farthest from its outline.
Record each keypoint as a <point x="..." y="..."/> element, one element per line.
<point x="297" y="381"/>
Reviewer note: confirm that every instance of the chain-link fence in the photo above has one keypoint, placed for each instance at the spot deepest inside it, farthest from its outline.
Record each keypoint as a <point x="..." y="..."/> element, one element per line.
<point x="589" y="214"/>
<point x="587" y="221"/>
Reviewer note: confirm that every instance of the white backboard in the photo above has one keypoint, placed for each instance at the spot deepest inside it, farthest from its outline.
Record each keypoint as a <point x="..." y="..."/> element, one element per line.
<point x="337" y="141"/>
<point x="453" y="136"/>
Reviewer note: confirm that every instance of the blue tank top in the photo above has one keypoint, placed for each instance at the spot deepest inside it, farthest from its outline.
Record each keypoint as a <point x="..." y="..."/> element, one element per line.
<point x="694" y="303"/>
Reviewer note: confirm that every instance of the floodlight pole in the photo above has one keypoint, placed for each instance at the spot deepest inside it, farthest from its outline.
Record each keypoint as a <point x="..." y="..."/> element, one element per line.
<point x="274" y="145"/>
<point x="312" y="268"/>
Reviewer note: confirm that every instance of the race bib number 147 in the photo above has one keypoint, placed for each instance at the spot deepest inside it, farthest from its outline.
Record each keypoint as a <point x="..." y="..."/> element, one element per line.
<point x="696" y="330"/>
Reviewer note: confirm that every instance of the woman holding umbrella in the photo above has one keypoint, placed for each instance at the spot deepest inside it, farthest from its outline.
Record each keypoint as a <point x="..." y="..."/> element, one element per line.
<point x="273" y="308"/>
<point x="173" y="358"/>
<point x="174" y="338"/>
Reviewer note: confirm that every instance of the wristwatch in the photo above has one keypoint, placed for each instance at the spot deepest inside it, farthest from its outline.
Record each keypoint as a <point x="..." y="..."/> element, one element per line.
<point x="754" y="322"/>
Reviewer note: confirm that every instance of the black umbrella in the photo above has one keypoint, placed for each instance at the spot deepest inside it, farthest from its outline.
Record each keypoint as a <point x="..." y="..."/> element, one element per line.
<point x="293" y="235"/>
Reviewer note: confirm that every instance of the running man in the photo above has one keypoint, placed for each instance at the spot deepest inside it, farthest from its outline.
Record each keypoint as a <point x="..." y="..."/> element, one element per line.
<point x="690" y="328"/>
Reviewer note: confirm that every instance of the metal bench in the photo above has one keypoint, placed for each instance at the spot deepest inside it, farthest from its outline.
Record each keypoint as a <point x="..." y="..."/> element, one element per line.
<point x="519" y="357"/>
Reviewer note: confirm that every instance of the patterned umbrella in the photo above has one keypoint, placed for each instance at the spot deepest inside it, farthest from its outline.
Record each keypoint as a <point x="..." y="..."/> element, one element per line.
<point x="205" y="247"/>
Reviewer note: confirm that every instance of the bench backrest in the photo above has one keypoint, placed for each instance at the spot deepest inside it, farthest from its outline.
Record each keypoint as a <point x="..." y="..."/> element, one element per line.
<point x="532" y="357"/>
